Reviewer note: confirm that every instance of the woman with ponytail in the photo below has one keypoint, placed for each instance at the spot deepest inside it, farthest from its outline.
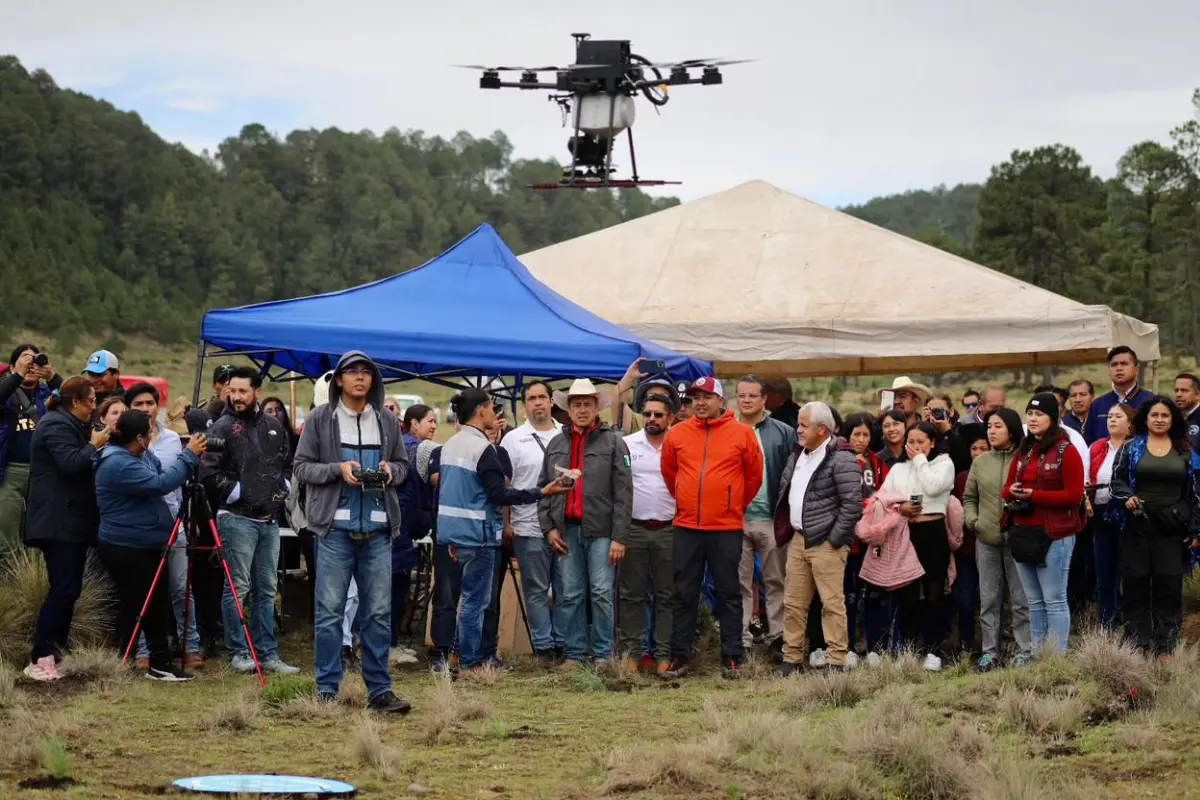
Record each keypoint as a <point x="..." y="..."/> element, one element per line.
<point x="63" y="519"/>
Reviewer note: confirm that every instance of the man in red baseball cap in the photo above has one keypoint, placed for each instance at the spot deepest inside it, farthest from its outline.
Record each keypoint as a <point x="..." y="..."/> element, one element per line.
<point x="713" y="467"/>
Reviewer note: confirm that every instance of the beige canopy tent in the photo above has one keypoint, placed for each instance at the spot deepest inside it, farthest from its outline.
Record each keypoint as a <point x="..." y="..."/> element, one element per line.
<point x="757" y="279"/>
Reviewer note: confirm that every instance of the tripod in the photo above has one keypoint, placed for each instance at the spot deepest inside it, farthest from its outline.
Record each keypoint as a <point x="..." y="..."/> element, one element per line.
<point x="508" y="561"/>
<point x="194" y="500"/>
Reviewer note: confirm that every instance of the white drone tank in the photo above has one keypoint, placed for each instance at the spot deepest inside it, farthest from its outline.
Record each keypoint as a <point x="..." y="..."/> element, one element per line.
<point x="591" y="113"/>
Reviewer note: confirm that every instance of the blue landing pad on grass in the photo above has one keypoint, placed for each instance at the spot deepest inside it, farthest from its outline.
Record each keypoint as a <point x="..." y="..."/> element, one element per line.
<point x="270" y="785"/>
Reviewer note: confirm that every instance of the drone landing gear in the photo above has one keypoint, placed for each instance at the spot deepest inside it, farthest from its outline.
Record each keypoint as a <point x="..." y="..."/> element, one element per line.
<point x="592" y="167"/>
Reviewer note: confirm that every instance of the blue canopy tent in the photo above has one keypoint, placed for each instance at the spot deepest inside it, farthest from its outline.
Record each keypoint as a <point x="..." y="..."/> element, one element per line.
<point x="474" y="312"/>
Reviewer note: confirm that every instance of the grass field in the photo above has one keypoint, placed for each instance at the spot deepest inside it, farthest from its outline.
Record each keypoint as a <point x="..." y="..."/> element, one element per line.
<point x="1103" y="722"/>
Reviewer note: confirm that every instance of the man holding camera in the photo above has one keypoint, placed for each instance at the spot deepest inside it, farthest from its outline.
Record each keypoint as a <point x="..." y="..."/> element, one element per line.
<point x="350" y="457"/>
<point x="244" y="470"/>
<point x="23" y="392"/>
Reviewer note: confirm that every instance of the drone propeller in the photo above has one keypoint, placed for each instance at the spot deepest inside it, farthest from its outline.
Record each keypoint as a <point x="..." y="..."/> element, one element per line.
<point x="702" y="62"/>
<point x="507" y="69"/>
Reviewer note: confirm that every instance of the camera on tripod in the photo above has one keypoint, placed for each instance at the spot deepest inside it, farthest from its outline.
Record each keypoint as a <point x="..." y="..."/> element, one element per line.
<point x="371" y="478"/>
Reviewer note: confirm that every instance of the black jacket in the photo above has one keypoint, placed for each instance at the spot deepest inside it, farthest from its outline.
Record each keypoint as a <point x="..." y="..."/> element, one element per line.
<point x="62" y="494"/>
<point x="255" y="456"/>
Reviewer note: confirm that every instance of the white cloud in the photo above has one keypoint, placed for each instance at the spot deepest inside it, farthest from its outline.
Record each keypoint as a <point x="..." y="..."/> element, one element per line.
<point x="845" y="101"/>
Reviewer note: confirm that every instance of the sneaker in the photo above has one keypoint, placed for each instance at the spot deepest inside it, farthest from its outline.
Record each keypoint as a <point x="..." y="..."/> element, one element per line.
<point x="787" y="670"/>
<point x="678" y="669"/>
<point x="168" y="674"/>
<point x="1022" y="660"/>
<point x="398" y="655"/>
<point x="874" y="659"/>
<point x="851" y="660"/>
<point x="242" y="664"/>
<point x="276" y="665"/>
<point x="730" y="670"/>
<point x="932" y="663"/>
<point x="387" y="703"/>
<point x="817" y="659"/>
<point x="49" y="665"/>
<point x="36" y="673"/>
<point x="986" y="663"/>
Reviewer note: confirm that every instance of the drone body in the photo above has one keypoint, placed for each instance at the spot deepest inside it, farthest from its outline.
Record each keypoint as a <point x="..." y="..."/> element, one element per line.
<point x="597" y="94"/>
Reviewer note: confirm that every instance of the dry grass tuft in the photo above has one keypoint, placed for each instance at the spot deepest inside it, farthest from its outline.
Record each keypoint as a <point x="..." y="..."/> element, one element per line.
<point x="353" y="693"/>
<point x="23" y="587"/>
<point x="370" y="749"/>
<point x="99" y="667"/>
<point x="684" y="767"/>
<point x="10" y="697"/>
<point x="450" y="707"/>
<point x="829" y="690"/>
<point x="242" y="713"/>
<point x="485" y="675"/>
<point x="711" y="717"/>
<point x="24" y="732"/>
<point x="1117" y="666"/>
<point x="1043" y="715"/>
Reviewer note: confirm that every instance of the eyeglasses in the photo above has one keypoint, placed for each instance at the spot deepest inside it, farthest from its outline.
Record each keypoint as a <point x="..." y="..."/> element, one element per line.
<point x="654" y="414"/>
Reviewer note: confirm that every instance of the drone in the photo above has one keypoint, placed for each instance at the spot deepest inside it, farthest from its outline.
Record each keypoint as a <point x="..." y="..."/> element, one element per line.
<point x="597" y="95"/>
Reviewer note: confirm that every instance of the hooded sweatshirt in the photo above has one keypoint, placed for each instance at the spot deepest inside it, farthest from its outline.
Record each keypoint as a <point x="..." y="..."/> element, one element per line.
<point x="334" y="433"/>
<point x="131" y="493"/>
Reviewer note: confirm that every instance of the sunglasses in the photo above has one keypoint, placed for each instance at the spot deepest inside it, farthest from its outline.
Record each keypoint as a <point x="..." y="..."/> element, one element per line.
<point x="654" y="414"/>
<point x="970" y="405"/>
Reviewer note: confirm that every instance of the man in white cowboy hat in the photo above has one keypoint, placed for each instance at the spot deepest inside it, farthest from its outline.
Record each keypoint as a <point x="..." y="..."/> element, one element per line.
<point x="588" y="526"/>
<point x="908" y="397"/>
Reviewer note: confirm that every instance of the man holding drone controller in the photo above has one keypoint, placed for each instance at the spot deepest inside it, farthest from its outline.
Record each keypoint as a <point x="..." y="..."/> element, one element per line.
<point x="350" y="455"/>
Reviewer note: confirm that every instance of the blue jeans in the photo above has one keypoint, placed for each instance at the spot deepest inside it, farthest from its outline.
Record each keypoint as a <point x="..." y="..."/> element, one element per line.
<point x="252" y="550"/>
<point x="1106" y="550"/>
<point x="177" y="567"/>
<point x="541" y="571"/>
<point x="1046" y="591"/>
<point x="369" y="562"/>
<point x="478" y="571"/>
<point x="587" y="573"/>
<point x="966" y="599"/>
<point x="447" y="589"/>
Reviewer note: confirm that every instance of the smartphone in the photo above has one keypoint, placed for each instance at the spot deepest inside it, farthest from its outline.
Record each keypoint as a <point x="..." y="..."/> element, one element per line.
<point x="887" y="399"/>
<point x="649" y="365"/>
<point x="915" y="499"/>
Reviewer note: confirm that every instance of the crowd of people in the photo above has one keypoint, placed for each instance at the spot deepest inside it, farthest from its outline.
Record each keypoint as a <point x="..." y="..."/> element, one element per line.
<point x="821" y="540"/>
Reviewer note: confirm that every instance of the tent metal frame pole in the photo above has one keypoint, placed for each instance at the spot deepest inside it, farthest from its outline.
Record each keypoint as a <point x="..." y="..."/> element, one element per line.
<point x="201" y="352"/>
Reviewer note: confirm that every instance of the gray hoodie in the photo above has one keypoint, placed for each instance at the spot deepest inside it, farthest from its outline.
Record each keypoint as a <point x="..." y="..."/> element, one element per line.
<point x="319" y="454"/>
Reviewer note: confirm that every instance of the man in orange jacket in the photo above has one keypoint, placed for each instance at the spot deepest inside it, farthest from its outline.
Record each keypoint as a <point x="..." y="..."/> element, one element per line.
<point x="713" y="467"/>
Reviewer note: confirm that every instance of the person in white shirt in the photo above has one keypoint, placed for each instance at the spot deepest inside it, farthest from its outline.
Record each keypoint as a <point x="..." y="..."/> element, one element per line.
<point x="649" y="550"/>
<point x="167" y="447"/>
<point x="541" y="571"/>
<point x="925" y="475"/>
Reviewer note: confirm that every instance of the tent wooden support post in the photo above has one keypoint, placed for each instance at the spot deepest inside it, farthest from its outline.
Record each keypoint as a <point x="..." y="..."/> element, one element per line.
<point x="201" y="349"/>
<point x="900" y="365"/>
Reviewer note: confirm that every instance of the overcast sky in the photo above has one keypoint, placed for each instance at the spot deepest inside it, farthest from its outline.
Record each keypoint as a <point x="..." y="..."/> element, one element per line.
<point x="847" y="100"/>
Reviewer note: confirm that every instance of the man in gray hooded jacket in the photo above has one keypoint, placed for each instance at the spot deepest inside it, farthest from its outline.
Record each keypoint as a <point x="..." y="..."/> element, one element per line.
<point x="354" y="519"/>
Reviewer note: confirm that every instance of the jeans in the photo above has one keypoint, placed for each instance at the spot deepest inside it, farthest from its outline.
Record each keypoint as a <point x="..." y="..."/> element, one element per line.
<point x="252" y="550"/>
<point x="369" y="563"/>
<point x="491" y="616"/>
<point x="1046" y="590"/>
<point x="177" y="575"/>
<point x="648" y="567"/>
<point x="478" y="569"/>
<point x="966" y="599"/>
<point x="1106" y="550"/>
<point x="447" y="589"/>
<point x="587" y="575"/>
<point x="881" y="619"/>
<point x="1000" y="584"/>
<point x="132" y="570"/>
<point x="694" y="552"/>
<point x="541" y="573"/>
<point x="65" y="565"/>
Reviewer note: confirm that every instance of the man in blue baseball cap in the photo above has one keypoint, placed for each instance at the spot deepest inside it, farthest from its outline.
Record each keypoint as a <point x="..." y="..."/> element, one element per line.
<point x="103" y="369"/>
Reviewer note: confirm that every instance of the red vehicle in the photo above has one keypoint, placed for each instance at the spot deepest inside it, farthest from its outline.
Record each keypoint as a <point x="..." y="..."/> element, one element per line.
<point x="158" y="383"/>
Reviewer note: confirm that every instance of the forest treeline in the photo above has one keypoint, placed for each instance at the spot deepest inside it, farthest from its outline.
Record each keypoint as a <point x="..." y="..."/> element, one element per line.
<point x="106" y="227"/>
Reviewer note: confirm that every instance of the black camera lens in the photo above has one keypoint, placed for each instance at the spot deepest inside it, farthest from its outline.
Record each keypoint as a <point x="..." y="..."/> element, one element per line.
<point x="215" y="445"/>
<point x="41" y="359"/>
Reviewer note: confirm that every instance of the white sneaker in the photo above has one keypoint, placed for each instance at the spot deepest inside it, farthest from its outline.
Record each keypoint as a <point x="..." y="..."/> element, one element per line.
<point x="35" y="673"/>
<point x="276" y="665"/>
<point x="851" y="659"/>
<point x="407" y="650"/>
<point x="874" y="659"/>
<point x="932" y="663"/>
<point x="817" y="659"/>
<point x="49" y="666"/>
<point x="401" y="655"/>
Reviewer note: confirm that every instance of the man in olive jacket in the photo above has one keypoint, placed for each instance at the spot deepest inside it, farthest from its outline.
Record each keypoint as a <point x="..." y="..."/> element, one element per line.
<point x="588" y="526"/>
<point x="983" y="509"/>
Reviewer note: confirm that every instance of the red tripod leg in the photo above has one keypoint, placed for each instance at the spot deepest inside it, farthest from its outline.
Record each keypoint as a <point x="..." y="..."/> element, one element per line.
<point x="237" y="602"/>
<point x="137" y="625"/>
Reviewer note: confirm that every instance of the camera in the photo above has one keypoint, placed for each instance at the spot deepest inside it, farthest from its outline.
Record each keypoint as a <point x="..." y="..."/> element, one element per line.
<point x="214" y="445"/>
<point x="938" y="413"/>
<point x="41" y="360"/>
<point x="1018" y="508"/>
<point x="371" y="478"/>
